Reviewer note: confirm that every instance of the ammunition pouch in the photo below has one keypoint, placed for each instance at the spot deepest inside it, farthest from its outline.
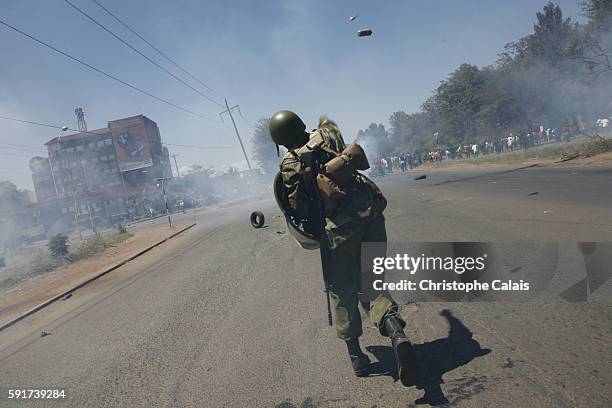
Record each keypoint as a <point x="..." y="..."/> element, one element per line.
<point x="338" y="171"/>
<point x="330" y="193"/>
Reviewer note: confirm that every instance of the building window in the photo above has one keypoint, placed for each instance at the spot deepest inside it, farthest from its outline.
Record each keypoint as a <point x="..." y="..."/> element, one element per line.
<point x="108" y="142"/>
<point x="79" y="148"/>
<point x="92" y="146"/>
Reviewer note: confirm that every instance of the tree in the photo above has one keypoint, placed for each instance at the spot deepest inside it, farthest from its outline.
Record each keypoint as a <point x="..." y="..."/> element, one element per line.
<point x="599" y="12"/>
<point x="550" y="35"/>
<point x="592" y="42"/>
<point x="58" y="245"/>
<point x="458" y="101"/>
<point x="375" y="140"/>
<point x="410" y="132"/>
<point x="264" y="151"/>
<point x="11" y="198"/>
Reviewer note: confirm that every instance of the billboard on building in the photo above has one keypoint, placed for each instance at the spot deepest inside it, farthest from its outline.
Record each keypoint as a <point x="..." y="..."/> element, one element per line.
<point x="131" y="143"/>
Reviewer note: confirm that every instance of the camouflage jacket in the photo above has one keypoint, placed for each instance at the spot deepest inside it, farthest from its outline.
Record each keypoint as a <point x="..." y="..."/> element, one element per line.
<point x="363" y="199"/>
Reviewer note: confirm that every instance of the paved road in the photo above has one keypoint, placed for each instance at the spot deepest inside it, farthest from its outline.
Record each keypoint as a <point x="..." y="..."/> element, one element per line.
<point x="230" y="316"/>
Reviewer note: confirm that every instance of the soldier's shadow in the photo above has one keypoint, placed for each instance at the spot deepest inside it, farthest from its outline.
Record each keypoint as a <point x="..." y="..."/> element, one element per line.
<point x="435" y="358"/>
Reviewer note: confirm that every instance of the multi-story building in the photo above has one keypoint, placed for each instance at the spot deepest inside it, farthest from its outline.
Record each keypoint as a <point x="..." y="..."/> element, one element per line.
<point x="103" y="175"/>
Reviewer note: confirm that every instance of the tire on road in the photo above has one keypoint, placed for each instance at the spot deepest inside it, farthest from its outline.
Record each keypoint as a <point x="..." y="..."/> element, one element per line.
<point x="257" y="219"/>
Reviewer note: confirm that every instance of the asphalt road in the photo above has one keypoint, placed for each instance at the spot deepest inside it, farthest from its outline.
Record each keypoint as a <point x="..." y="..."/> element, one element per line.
<point x="229" y="316"/>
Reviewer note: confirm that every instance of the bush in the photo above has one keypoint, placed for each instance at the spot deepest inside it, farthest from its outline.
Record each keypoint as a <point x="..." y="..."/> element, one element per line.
<point x="40" y="262"/>
<point x="121" y="228"/>
<point x="87" y="248"/>
<point x="95" y="245"/>
<point x="58" y="245"/>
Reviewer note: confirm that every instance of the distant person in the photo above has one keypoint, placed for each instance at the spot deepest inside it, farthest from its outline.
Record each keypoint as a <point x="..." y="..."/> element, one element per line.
<point x="402" y="163"/>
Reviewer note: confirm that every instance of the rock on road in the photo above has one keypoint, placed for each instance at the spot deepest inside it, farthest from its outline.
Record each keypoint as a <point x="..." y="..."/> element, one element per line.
<point x="230" y="316"/>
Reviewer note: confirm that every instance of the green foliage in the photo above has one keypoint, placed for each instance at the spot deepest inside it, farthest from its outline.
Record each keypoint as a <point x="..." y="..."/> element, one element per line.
<point x="58" y="245"/>
<point x="375" y="140"/>
<point x="555" y="76"/>
<point x="599" y="12"/>
<point x="96" y="244"/>
<point x="121" y="228"/>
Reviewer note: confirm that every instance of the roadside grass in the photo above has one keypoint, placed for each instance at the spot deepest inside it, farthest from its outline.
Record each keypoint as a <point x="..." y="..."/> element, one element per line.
<point x="39" y="261"/>
<point x="95" y="245"/>
<point x="583" y="146"/>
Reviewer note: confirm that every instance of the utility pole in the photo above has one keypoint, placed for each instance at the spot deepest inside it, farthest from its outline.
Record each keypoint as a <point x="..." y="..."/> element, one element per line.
<point x="59" y="142"/>
<point x="178" y="174"/>
<point x="85" y="188"/>
<point x="229" y="111"/>
<point x="161" y="181"/>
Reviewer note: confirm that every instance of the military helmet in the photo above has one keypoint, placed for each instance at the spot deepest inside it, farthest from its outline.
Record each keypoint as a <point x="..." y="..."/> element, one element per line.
<point x="287" y="129"/>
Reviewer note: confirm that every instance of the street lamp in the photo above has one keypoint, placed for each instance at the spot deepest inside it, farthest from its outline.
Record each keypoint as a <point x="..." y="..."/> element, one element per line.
<point x="160" y="182"/>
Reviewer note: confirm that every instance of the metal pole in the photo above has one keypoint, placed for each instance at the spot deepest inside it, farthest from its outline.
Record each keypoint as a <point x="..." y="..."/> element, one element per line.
<point x="238" y="134"/>
<point x="59" y="141"/>
<point x="166" y="199"/>
<point x="76" y="213"/>
<point x="85" y="187"/>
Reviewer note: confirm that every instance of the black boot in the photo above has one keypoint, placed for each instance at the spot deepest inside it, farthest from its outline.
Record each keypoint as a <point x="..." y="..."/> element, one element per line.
<point x="405" y="358"/>
<point x="359" y="361"/>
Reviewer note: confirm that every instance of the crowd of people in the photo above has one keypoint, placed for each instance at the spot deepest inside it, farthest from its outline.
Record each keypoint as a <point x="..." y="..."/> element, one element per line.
<point x="511" y="142"/>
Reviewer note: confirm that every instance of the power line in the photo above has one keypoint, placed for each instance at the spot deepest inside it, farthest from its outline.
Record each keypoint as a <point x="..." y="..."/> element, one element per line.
<point x="104" y="73"/>
<point x="15" y="154"/>
<point x="93" y="20"/>
<point x="94" y="133"/>
<point x="21" y="149"/>
<point x="156" y="49"/>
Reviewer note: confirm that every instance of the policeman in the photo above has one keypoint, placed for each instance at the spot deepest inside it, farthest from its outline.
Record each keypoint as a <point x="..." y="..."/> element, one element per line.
<point x="353" y="214"/>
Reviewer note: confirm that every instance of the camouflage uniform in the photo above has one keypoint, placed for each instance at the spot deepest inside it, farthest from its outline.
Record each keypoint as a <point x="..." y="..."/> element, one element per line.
<point x="358" y="218"/>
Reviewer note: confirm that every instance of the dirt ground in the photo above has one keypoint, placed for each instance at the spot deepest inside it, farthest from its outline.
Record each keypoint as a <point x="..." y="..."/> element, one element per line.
<point x="34" y="291"/>
<point x="601" y="159"/>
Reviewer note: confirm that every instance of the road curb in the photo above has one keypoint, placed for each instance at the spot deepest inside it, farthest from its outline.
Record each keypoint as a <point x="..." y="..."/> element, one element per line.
<point x="89" y="280"/>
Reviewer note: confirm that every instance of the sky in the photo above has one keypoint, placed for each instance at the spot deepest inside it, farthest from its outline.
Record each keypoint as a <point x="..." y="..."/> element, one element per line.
<point x="263" y="55"/>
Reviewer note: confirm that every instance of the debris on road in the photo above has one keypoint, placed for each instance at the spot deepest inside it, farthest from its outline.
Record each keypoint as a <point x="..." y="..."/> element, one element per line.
<point x="533" y="193"/>
<point x="509" y="363"/>
<point x="547" y="212"/>
<point x="67" y="296"/>
<point x="565" y="158"/>
<point x="257" y="219"/>
<point x="353" y="18"/>
<point x="421" y="177"/>
<point x="44" y="333"/>
<point x="280" y="232"/>
<point x="364" y="33"/>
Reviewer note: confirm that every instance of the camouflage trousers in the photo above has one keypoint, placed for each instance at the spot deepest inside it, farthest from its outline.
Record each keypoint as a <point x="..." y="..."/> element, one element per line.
<point x="346" y="281"/>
